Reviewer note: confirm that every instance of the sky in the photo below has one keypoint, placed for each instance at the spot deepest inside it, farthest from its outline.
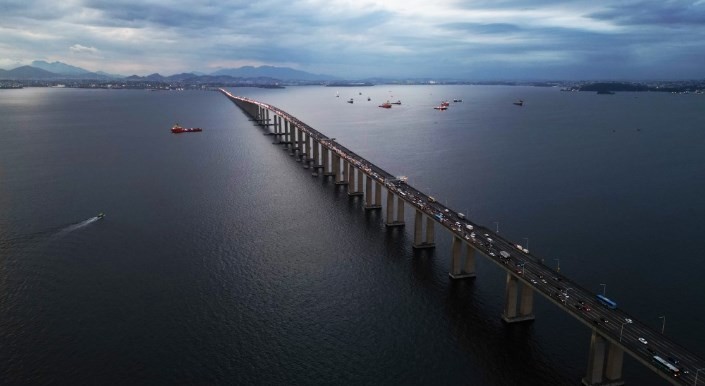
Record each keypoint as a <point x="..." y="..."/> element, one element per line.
<point x="357" y="39"/>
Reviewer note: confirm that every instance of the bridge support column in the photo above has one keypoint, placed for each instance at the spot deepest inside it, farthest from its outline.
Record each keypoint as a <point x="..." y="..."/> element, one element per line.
<point x="317" y="164"/>
<point x="419" y="241"/>
<point x="275" y="133"/>
<point x="307" y="149"/>
<point x="327" y="164"/>
<point x="294" y="146"/>
<point x="304" y="148"/>
<point x="298" y="148"/>
<point x="353" y="189"/>
<point x="512" y="300"/>
<point x="340" y="178"/>
<point x="391" y="220"/>
<point x="457" y="270"/>
<point x="604" y="363"/>
<point x="266" y="119"/>
<point x="372" y="202"/>
<point x="284" y="137"/>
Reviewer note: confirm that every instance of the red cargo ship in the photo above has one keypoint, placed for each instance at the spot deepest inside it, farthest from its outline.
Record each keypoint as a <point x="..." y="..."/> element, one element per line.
<point x="178" y="129"/>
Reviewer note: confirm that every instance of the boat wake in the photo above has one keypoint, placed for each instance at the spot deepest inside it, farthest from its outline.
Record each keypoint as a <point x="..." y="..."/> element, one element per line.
<point x="79" y="225"/>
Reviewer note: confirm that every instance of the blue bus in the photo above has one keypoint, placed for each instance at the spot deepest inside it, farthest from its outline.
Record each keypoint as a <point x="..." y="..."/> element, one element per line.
<point x="606" y="302"/>
<point x="665" y="366"/>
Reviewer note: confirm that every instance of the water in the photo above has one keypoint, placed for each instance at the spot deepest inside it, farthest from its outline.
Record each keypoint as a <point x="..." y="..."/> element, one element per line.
<point x="221" y="260"/>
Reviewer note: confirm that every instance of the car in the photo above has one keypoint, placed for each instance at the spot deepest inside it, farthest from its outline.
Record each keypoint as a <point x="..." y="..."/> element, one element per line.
<point x="604" y="320"/>
<point x="642" y="340"/>
<point x="627" y="320"/>
<point x="586" y="309"/>
<point x="544" y="281"/>
<point x="533" y="281"/>
<point x="582" y="302"/>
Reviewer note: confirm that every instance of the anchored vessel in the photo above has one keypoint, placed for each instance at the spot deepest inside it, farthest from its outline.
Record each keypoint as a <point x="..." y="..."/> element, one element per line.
<point x="178" y="129"/>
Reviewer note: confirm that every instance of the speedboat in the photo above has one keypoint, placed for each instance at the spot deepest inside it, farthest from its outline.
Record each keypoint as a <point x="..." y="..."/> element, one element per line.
<point x="100" y="215"/>
<point x="350" y="100"/>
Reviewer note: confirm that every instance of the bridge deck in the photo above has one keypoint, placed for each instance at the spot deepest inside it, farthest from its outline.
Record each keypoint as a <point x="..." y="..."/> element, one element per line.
<point x="615" y="325"/>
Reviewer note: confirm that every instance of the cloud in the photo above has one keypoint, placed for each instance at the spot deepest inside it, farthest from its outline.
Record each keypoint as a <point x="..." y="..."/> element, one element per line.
<point x="358" y="38"/>
<point x="79" y="49"/>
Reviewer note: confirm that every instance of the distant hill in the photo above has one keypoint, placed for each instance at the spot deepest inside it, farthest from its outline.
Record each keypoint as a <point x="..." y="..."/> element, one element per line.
<point x="42" y="70"/>
<point x="60" y="68"/>
<point x="281" y="73"/>
<point x="27" y="72"/>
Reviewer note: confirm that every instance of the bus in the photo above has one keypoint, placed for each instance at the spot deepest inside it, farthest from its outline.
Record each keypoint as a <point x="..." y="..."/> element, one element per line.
<point x="665" y="366"/>
<point x="610" y="304"/>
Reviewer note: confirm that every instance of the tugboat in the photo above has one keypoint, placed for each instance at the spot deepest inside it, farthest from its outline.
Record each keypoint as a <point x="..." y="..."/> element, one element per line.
<point x="100" y="215"/>
<point x="386" y="105"/>
<point x="520" y="102"/>
<point x="441" y="107"/>
<point x="350" y="100"/>
<point x="176" y="129"/>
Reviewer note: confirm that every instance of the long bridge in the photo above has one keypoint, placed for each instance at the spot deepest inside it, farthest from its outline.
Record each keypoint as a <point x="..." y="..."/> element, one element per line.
<point x="614" y="332"/>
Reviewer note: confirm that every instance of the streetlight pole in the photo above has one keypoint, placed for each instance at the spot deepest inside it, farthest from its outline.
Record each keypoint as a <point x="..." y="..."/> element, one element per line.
<point x="663" y="325"/>
<point x="558" y="267"/>
<point x="497" y="224"/>
<point x="696" y="375"/>
<point x="604" y="289"/>
<point x="621" y="330"/>
<point x="527" y="242"/>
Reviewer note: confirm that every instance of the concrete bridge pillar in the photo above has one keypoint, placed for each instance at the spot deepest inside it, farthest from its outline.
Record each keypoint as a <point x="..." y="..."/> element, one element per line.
<point x="296" y="140"/>
<point x="604" y="363"/>
<point x="391" y="220"/>
<point x="284" y="137"/>
<point x="316" y="158"/>
<point x="304" y="147"/>
<point x="370" y="201"/>
<point x="419" y="241"/>
<point x="327" y="164"/>
<point x="353" y="189"/>
<point x="525" y="304"/>
<point x="266" y="115"/>
<point x="341" y="177"/>
<point x="457" y="269"/>
<point x="294" y="146"/>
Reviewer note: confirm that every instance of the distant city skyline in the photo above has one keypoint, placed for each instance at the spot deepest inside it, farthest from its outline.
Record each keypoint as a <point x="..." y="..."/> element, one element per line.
<point x="540" y="39"/>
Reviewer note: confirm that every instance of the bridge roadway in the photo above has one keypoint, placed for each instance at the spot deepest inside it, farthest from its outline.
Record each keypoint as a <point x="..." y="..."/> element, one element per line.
<point x="614" y="331"/>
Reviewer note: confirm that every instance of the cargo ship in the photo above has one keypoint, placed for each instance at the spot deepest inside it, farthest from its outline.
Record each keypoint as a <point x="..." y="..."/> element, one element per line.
<point x="178" y="129"/>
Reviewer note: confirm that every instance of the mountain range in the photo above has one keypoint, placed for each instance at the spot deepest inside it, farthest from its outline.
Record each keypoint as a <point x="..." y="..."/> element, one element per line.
<point x="41" y="70"/>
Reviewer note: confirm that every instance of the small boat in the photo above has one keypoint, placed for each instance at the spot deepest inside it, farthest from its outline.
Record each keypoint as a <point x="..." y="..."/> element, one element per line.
<point x="350" y="100"/>
<point x="386" y="105"/>
<point x="441" y="107"/>
<point x="398" y="102"/>
<point x="520" y="102"/>
<point x="457" y="100"/>
<point x="178" y="129"/>
<point x="369" y="99"/>
<point x="100" y="215"/>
